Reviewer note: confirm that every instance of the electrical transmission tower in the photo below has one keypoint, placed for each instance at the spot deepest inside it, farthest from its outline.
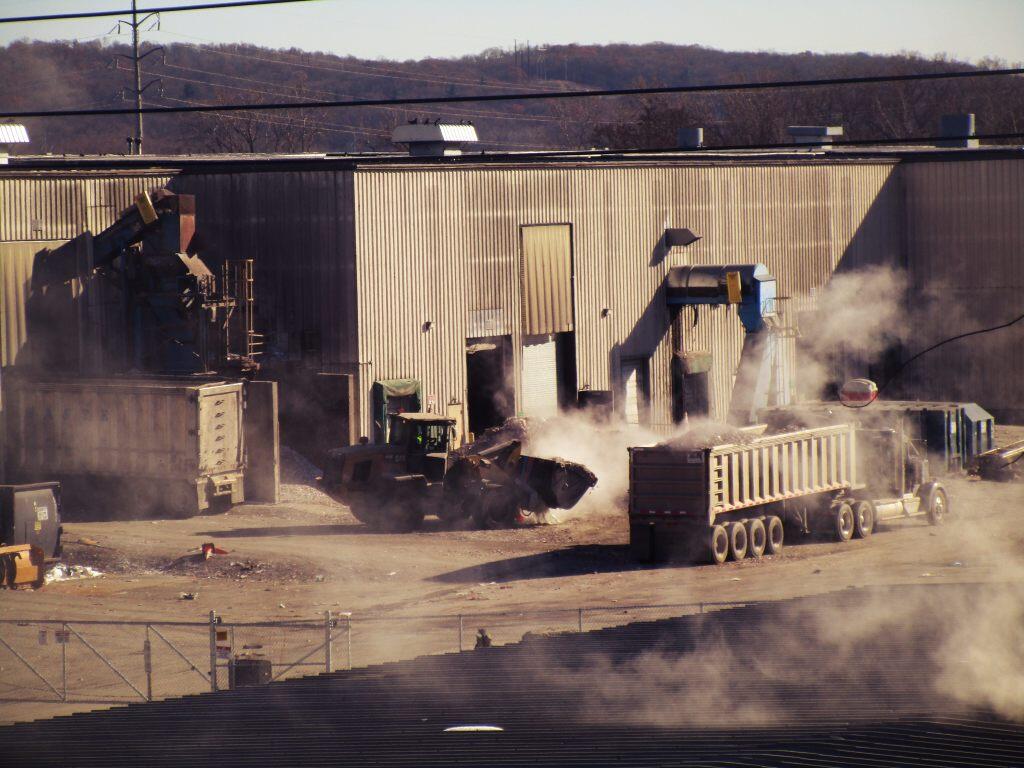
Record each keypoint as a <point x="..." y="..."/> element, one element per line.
<point x="135" y="143"/>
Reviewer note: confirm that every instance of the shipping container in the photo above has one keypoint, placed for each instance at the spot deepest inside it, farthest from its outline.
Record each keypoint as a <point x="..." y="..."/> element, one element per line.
<point x="169" y="446"/>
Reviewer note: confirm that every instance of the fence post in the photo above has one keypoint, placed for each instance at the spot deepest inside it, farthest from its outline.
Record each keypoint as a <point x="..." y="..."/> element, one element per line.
<point x="580" y="617"/>
<point x="147" y="663"/>
<point x="327" y="642"/>
<point x="348" y="640"/>
<point x="64" y="662"/>
<point x="460" y="633"/>
<point x="213" y="651"/>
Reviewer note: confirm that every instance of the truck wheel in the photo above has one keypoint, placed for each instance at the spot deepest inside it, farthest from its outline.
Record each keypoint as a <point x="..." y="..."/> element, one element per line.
<point x="938" y="507"/>
<point x="863" y="519"/>
<point x="719" y="544"/>
<point x="775" y="535"/>
<point x="494" y="511"/>
<point x="737" y="541"/>
<point x="402" y="520"/>
<point x="842" y="521"/>
<point x="757" y="538"/>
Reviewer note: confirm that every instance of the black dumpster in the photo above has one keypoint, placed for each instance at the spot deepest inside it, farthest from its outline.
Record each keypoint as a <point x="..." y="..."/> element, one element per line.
<point x="29" y="514"/>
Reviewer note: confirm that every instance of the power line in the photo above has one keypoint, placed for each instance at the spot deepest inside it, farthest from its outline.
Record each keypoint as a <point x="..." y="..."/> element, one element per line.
<point x="162" y="9"/>
<point x="951" y="339"/>
<point x="420" y="100"/>
<point x="392" y="74"/>
<point x="477" y="114"/>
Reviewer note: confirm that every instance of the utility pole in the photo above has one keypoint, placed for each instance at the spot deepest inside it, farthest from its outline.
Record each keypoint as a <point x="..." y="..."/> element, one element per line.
<point x="136" y="60"/>
<point x="138" y="79"/>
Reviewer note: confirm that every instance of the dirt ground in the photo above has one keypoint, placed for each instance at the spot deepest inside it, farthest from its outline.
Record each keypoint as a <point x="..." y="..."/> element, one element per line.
<point x="308" y="554"/>
<point x="311" y="555"/>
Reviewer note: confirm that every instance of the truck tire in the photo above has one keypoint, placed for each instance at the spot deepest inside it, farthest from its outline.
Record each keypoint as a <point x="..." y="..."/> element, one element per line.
<point x="495" y="511"/>
<point x="737" y="541"/>
<point x="938" y="506"/>
<point x="775" y="535"/>
<point x="402" y="519"/>
<point x="842" y="521"/>
<point x="863" y="519"/>
<point x="719" y="544"/>
<point x="757" y="538"/>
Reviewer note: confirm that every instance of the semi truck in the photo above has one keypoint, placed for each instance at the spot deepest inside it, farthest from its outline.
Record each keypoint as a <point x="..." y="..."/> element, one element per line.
<point x="736" y="499"/>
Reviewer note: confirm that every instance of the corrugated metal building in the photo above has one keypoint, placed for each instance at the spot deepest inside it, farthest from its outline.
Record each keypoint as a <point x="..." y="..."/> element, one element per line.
<point x="507" y="284"/>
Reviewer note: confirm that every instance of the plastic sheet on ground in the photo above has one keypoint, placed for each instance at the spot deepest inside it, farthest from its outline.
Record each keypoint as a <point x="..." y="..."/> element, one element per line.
<point x="62" y="572"/>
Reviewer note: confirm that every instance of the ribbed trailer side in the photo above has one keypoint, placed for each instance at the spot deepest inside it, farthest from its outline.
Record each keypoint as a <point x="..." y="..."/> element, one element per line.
<point x="781" y="467"/>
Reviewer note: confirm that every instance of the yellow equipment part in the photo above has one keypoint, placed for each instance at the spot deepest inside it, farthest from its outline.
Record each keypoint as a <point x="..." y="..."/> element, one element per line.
<point x="733" y="287"/>
<point x="21" y="565"/>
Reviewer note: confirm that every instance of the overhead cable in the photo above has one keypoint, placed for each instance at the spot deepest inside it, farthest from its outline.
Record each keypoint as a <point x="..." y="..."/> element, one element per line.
<point x="160" y="9"/>
<point x="419" y="100"/>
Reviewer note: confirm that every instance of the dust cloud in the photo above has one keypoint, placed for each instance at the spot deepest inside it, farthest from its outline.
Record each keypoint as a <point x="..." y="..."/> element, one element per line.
<point x="948" y="647"/>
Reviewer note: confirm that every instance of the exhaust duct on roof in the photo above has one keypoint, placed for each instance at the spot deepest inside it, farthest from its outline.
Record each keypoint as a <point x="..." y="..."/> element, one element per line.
<point x="434" y="139"/>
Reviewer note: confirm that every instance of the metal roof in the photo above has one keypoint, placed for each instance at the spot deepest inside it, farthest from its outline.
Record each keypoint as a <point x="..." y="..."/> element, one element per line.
<point x="312" y="161"/>
<point x="765" y="685"/>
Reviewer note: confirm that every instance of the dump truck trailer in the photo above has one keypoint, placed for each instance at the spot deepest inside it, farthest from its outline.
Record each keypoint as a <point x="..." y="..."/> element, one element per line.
<point x="731" y="500"/>
<point x="169" y="446"/>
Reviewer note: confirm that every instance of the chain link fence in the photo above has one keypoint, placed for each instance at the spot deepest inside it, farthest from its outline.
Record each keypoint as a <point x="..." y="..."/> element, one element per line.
<point x="76" y="664"/>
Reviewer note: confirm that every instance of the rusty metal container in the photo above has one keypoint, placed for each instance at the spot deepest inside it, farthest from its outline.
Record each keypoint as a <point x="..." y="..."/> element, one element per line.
<point x="168" y="446"/>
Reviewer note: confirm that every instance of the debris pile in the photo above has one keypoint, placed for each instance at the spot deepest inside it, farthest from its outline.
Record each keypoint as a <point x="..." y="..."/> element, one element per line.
<point x="708" y="434"/>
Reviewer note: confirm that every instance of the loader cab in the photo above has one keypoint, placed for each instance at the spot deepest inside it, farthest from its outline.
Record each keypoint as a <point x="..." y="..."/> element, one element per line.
<point x="423" y="439"/>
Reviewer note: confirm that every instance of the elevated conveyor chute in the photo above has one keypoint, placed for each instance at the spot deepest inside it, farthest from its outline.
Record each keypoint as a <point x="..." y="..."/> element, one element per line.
<point x="753" y="290"/>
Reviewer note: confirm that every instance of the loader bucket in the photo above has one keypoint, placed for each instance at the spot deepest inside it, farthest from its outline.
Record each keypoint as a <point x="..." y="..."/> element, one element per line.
<point x="560" y="484"/>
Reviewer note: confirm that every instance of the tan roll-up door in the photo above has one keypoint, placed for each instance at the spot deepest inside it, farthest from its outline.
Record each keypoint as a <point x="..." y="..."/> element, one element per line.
<point x="546" y="277"/>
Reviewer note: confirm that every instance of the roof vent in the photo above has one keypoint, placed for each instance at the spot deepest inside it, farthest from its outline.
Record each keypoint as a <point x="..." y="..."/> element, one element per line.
<point x="959" y="128"/>
<point x="434" y="139"/>
<point x="819" y="135"/>
<point x="11" y="133"/>
<point x="690" y="138"/>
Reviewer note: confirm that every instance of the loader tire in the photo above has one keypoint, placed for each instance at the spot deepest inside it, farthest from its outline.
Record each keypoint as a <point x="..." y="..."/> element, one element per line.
<point x="718" y="544"/>
<point x="757" y="538"/>
<point x="863" y="519"/>
<point x="842" y="521"/>
<point x="737" y="541"/>
<point x="494" y="511"/>
<point x="775" y="535"/>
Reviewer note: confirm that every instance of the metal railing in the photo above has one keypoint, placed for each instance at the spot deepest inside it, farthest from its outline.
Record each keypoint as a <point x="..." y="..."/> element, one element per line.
<point x="81" y="663"/>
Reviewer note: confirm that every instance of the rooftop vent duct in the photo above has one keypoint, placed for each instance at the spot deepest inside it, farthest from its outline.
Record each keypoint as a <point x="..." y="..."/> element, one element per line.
<point x="11" y="133"/>
<point x="958" y="128"/>
<point x="437" y="139"/>
<point x="690" y="138"/>
<point x="814" y="134"/>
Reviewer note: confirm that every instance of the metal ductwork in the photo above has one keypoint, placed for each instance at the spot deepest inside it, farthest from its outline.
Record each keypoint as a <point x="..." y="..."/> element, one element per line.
<point x="437" y="139"/>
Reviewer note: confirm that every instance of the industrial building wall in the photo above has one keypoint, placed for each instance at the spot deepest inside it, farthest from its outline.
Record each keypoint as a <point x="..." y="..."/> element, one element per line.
<point x="965" y="240"/>
<point x="437" y="253"/>
<point x="297" y="226"/>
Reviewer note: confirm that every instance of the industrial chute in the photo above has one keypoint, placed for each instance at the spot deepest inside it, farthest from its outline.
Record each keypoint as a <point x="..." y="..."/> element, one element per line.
<point x="753" y="290"/>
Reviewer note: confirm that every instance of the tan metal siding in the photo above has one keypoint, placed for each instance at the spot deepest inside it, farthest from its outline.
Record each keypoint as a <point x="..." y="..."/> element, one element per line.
<point x="60" y="206"/>
<point x="16" y="262"/>
<point x="451" y="237"/>
<point x="546" y="272"/>
<point x="965" y="241"/>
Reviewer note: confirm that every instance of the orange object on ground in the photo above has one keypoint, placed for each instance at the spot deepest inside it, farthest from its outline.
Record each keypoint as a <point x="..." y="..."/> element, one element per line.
<point x="21" y="565"/>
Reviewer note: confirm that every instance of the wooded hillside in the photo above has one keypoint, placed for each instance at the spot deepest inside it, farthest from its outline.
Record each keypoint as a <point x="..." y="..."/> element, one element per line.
<point x="37" y="75"/>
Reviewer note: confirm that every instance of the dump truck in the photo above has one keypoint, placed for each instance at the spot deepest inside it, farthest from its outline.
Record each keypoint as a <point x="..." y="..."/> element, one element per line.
<point x="394" y="486"/>
<point x="731" y="500"/>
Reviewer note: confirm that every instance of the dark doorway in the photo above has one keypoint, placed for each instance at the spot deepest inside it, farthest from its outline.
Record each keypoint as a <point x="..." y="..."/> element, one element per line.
<point x="489" y="394"/>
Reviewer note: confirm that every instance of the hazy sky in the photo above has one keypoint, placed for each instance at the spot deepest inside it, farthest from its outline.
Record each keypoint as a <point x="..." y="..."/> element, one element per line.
<point x="405" y="29"/>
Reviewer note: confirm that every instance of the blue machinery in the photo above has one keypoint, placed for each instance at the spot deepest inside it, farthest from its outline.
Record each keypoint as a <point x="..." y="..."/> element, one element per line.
<point x="753" y="290"/>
